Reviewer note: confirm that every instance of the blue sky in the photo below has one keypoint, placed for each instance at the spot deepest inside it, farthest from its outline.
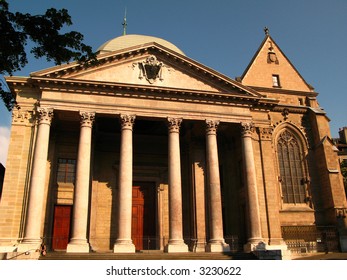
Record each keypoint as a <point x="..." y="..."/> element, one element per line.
<point x="221" y="34"/>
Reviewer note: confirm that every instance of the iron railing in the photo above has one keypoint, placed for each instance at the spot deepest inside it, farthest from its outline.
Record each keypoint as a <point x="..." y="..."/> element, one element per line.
<point x="311" y="239"/>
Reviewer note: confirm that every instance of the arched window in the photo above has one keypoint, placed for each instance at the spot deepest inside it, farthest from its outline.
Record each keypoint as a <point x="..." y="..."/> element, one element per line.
<point x="291" y="165"/>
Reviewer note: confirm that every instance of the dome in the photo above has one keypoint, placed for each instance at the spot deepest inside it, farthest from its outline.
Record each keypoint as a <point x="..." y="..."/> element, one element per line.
<point x="127" y="41"/>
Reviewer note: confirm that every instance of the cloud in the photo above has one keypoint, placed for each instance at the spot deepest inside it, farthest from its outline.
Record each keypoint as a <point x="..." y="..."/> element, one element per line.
<point x="4" y="141"/>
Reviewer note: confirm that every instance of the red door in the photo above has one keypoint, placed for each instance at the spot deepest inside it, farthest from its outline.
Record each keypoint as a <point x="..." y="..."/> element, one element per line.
<point x="143" y="216"/>
<point x="61" y="227"/>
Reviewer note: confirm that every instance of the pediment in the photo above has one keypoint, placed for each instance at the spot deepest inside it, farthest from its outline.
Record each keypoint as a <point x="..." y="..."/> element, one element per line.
<point x="269" y="61"/>
<point x="151" y="65"/>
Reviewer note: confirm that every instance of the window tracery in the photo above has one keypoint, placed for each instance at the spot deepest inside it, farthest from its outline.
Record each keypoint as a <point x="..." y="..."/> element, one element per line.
<point x="291" y="168"/>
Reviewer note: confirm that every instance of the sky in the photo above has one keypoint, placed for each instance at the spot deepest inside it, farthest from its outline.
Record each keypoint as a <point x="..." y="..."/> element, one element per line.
<point x="221" y="34"/>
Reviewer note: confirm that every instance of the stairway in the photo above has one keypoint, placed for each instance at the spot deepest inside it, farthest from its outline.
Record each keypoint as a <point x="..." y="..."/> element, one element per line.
<point x="147" y="255"/>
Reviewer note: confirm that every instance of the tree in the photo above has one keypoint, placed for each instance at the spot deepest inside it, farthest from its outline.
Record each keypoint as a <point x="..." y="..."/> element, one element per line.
<point x="44" y="30"/>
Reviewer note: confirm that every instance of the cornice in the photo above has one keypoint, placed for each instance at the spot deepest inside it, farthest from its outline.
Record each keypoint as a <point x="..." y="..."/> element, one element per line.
<point x="291" y="109"/>
<point x="148" y="91"/>
<point x="285" y="91"/>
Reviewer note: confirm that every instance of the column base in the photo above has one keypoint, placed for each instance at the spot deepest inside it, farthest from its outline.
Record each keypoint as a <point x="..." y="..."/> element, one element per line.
<point x="283" y="248"/>
<point x="217" y="247"/>
<point x="29" y="246"/>
<point x="266" y="251"/>
<point x="26" y="250"/>
<point x="254" y="244"/>
<point x="199" y="247"/>
<point x="78" y="248"/>
<point x="176" y="247"/>
<point x="124" y="247"/>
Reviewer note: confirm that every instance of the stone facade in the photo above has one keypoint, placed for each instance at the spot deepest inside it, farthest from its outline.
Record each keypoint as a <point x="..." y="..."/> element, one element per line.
<point x="152" y="150"/>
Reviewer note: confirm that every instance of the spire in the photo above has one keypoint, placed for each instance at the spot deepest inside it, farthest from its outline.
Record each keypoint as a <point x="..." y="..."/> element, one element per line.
<point x="125" y="22"/>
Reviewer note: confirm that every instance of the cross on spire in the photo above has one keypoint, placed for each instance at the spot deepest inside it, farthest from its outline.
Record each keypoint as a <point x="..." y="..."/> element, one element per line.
<point x="125" y="22"/>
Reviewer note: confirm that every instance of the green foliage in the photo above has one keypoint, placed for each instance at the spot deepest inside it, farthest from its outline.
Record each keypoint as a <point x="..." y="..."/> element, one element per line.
<point x="17" y="28"/>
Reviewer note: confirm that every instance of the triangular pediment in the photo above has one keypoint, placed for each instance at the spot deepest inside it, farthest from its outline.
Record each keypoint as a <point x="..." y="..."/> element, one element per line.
<point x="269" y="63"/>
<point x="150" y="65"/>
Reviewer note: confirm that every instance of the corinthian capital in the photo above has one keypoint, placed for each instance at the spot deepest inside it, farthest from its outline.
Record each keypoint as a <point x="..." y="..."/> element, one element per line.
<point x="87" y="118"/>
<point x="174" y="124"/>
<point x="44" y="115"/>
<point x="20" y="117"/>
<point x="127" y="121"/>
<point x="211" y="126"/>
<point x="247" y="128"/>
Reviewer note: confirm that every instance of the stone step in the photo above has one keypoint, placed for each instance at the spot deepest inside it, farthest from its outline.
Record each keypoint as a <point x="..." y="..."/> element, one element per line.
<point x="148" y="255"/>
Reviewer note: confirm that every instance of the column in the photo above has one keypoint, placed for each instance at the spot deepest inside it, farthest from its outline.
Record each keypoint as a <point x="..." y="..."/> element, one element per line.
<point x="176" y="243"/>
<point x="255" y="239"/>
<point x="79" y="242"/>
<point x="34" y="219"/>
<point x="216" y="242"/>
<point x="124" y="243"/>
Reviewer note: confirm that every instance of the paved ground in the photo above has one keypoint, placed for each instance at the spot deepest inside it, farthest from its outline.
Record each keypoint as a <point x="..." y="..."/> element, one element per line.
<point x="328" y="256"/>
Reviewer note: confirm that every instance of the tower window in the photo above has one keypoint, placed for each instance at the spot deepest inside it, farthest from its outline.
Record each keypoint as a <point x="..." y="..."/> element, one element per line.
<point x="276" y="81"/>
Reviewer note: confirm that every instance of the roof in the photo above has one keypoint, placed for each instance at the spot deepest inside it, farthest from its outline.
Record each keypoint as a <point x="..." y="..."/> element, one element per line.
<point x="258" y="59"/>
<point x="127" y="41"/>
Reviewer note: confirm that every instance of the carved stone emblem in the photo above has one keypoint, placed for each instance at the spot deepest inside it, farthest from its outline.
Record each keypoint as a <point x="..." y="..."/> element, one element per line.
<point x="272" y="57"/>
<point x="151" y="69"/>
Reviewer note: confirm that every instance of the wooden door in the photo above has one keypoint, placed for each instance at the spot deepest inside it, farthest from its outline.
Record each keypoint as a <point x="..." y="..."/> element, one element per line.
<point x="61" y="227"/>
<point x="143" y="231"/>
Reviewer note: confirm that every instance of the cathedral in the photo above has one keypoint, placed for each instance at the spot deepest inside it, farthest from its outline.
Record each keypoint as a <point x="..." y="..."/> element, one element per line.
<point x="152" y="150"/>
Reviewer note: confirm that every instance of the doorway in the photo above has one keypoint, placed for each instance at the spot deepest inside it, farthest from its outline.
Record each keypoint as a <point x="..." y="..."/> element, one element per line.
<point x="143" y="226"/>
<point x="61" y="227"/>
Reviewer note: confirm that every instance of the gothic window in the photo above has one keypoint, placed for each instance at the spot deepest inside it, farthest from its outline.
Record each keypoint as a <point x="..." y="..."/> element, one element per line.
<point x="66" y="170"/>
<point x="291" y="165"/>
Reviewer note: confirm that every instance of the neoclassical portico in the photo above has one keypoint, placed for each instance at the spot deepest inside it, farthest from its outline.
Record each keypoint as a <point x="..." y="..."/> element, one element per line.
<point x="81" y="204"/>
<point x="151" y="150"/>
